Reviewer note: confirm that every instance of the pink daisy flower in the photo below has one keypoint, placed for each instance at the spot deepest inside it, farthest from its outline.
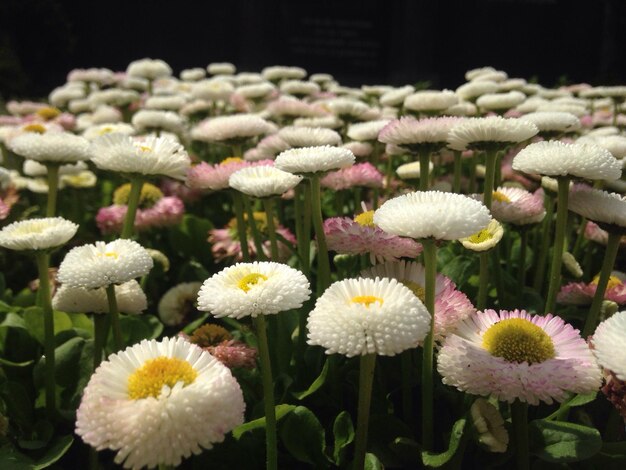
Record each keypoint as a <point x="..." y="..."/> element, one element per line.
<point x="518" y="356"/>
<point x="221" y="345"/>
<point x="226" y="245"/>
<point x="172" y="187"/>
<point x="166" y="211"/>
<point x="359" y="175"/>
<point x="215" y="177"/>
<point x="361" y="236"/>
<point x="594" y="233"/>
<point x="580" y="293"/>
<point x="451" y="305"/>
<point x="516" y="206"/>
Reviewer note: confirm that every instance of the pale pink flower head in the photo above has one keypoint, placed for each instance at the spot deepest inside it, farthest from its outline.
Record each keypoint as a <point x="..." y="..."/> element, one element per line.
<point x="516" y="206"/>
<point x="290" y="108"/>
<point x="359" y="149"/>
<point x="359" y="175"/>
<point x="361" y="236"/>
<point x="215" y="177"/>
<point x="518" y="356"/>
<point x="451" y="305"/>
<point x="417" y="135"/>
<point x="225" y="244"/>
<point x="167" y="211"/>
<point x="580" y="293"/>
<point x="594" y="233"/>
<point x="221" y="345"/>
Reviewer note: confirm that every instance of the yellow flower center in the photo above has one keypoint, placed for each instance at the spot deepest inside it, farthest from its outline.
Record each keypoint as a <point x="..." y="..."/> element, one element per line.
<point x="260" y="220"/>
<point x="48" y="113"/>
<point x="149" y="379"/>
<point x="37" y="128"/>
<point x="500" y="197"/>
<point x="105" y="130"/>
<point x="614" y="281"/>
<point x="416" y="288"/>
<point x="518" y="340"/>
<point x="109" y="254"/>
<point x="144" y="148"/>
<point x="228" y="160"/>
<point x="366" y="219"/>
<point x="366" y="300"/>
<point x="247" y="282"/>
<point x="481" y="236"/>
<point x="149" y="196"/>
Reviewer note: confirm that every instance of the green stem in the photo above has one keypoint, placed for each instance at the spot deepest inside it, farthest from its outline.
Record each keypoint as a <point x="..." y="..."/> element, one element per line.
<point x="497" y="276"/>
<point x="521" y="268"/>
<point x="456" y="184"/>
<point x="519" y="416"/>
<point x="48" y="325"/>
<point x="297" y="208"/>
<point x="99" y="327"/>
<point x="237" y="150"/>
<point x="490" y="175"/>
<point x="546" y="230"/>
<point x="53" y="188"/>
<point x="307" y="220"/>
<point x="256" y="233"/>
<point x="268" y="204"/>
<point x="389" y="173"/>
<point x="133" y="201"/>
<point x="241" y="225"/>
<point x="579" y="238"/>
<point x="115" y="317"/>
<point x="430" y="266"/>
<point x="559" y="239"/>
<point x="473" y="161"/>
<point x="406" y="364"/>
<point x="366" y="380"/>
<point x="323" y="263"/>
<point x="481" y="301"/>
<point x="424" y="156"/>
<point x="268" y="393"/>
<point x="610" y="254"/>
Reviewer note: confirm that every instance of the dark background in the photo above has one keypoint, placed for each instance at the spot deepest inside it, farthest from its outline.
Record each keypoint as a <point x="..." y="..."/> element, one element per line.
<point x="359" y="42"/>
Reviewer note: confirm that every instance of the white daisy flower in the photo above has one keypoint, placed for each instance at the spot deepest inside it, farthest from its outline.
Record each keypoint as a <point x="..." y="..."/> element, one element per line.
<point x="424" y="214"/>
<point x="263" y="181"/>
<point x="156" y="403"/>
<point x="131" y="299"/>
<point x="52" y="147"/>
<point x="602" y="207"/>
<point x="489" y="425"/>
<point x="555" y="106"/>
<point x="37" y="234"/>
<point x="165" y="103"/>
<point x="553" y="121"/>
<point x="412" y="170"/>
<point x="555" y="158"/>
<point x="229" y="128"/>
<point x="484" y="239"/>
<point x="475" y="73"/>
<point x="472" y="90"/>
<point x="60" y="96"/>
<point x="280" y="72"/>
<point x="221" y="68"/>
<point x="103" y="264"/>
<point x="500" y="101"/>
<point x="321" y="78"/>
<point x="178" y="302"/>
<point x="299" y="87"/>
<point x="616" y="144"/>
<point x="396" y="96"/>
<point x="149" y="68"/>
<point x="192" y="75"/>
<point x="347" y="108"/>
<point x="430" y="100"/>
<point x="476" y="133"/>
<point x="463" y="108"/>
<point x="95" y="131"/>
<point x="314" y="159"/>
<point x="152" y="156"/>
<point x="259" y="288"/>
<point x="34" y="168"/>
<point x="328" y="122"/>
<point x="364" y="131"/>
<point x="609" y="344"/>
<point x="300" y="136"/>
<point x="355" y="317"/>
<point x="212" y="90"/>
<point x="493" y="76"/>
<point x="112" y="97"/>
<point x="150" y="119"/>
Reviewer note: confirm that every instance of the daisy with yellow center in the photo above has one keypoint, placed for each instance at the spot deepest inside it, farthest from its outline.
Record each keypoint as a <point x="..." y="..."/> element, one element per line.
<point x="484" y="239"/>
<point x="176" y="397"/>
<point x="518" y="356"/>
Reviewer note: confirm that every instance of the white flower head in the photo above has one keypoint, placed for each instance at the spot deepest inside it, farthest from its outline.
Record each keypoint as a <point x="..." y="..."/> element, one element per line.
<point x="212" y="90"/>
<point x="368" y="316"/>
<point x="609" y="344"/>
<point x="130" y="298"/>
<point x="263" y="181"/>
<point x="259" y="288"/>
<point x="430" y="100"/>
<point x="484" y="239"/>
<point x="299" y="87"/>
<point x="555" y="158"/>
<point x="192" y="75"/>
<point x="279" y="72"/>
<point x="365" y="131"/>
<point x="150" y="119"/>
<point x="602" y="207"/>
<point x="554" y="121"/>
<point x="149" y="69"/>
<point x="175" y="304"/>
<point x="228" y="128"/>
<point x="158" y="402"/>
<point x="103" y="264"/>
<point x="471" y="90"/>
<point x="396" y="96"/>
<point x="480" y="132"/>
<point x="300" y="136"/>
<point x="424" y="214"/>
<point x="152" y="156"/>
<point x="221" y="68"/>
<point x="314" y="159"/>
<point x="37" y="234"/>
<point x="500" y="101"/>
<point x="411" y="170"/>
<point x="51" y="147"/>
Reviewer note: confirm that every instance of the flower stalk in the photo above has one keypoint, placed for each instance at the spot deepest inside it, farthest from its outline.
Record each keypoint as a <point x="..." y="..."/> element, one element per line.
<point x="559" y="240"/>
<point x="43" y="261"/>
<point x="430" y="266"/>
<point x="366" y="379"/>
<point x="128" y="228"/>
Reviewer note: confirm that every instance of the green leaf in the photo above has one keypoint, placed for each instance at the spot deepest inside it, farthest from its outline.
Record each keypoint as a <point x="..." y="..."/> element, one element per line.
<point x="460" y="268"/>
<point x="614" y="451"/>
<point x="315" y="386"/>
<point x="18" y="403"/>
<point x="6" y="362"/>
<point x="40" y="436"/>
<point x="12" y="459"/>
<point x="343" y="430"/>
<point x="280" y="410"/>
<point x="372" y="463"/>
<point x="55" y="452"/>
<point x="13" y="320"/>
<point x="67" y="357"/>
<point x="189" y="238"/>
<point x="81" y="321"/>
<point x="304" y="437"/>
<point x="559" y="441"/>
<point x="33" y="317"/>
<point x="437" y="460"/>
<point x="136" y="328"/>
<point x="576" y="400"/>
